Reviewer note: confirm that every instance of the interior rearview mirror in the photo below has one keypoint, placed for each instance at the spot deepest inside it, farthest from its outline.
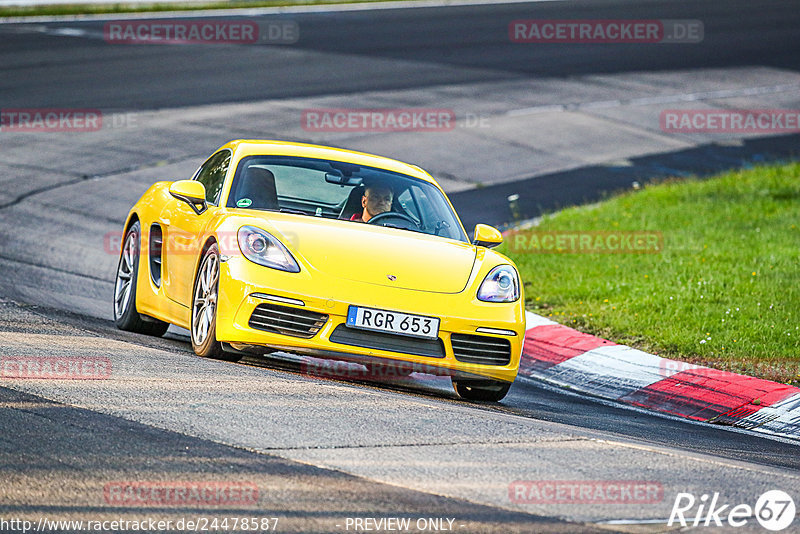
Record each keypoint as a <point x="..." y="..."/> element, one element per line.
<point x="338" y="178"/>
<point x="487" y="236"/>
<point x="192" y="192"/>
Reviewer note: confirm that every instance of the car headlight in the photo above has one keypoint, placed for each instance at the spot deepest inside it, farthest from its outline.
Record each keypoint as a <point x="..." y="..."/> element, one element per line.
<point x="264" y="249"/>
<point x="500" y="285"/>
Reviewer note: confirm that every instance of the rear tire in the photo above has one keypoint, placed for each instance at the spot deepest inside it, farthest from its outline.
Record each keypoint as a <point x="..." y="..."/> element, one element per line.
<point x="204" y="309"/>
<point x="481" y="390"/>
<point x="125" y="315"/>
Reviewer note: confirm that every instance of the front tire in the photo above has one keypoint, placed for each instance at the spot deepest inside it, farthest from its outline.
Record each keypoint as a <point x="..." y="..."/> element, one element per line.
<point x="481" y="390"/>
<point x="125" y="315"/>
<point x="204" y="309"/>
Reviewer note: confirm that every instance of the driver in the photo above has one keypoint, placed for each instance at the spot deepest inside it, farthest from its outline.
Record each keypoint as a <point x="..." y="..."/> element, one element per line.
<point x="377" y="199"/>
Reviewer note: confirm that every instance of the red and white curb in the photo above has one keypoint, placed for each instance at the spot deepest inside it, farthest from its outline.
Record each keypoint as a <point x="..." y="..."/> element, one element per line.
<point x="565" y="357"/>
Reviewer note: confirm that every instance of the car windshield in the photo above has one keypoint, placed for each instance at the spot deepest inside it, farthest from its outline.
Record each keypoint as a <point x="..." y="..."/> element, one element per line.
<point x="334" y="189"/>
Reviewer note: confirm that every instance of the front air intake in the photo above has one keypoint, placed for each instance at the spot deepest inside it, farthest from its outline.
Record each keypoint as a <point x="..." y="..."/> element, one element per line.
<point x="482" y="350"/>
<point x="287" y="320"/>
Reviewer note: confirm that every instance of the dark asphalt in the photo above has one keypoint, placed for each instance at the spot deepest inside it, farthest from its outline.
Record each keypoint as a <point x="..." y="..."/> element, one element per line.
<point x="71" y="455"/>
<point x="526" y="398"/>
<point x="362" y="51"/>
<point x="347" y="52"/>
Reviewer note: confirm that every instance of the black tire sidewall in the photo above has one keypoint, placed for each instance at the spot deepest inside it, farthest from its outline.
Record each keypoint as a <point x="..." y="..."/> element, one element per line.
<point x="210" y="347"/>
<point x="129" y="319"/>
<point x="472" y="391"/>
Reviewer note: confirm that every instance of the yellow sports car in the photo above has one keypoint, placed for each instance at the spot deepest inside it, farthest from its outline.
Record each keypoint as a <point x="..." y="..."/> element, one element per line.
<point x="277" y="246"/>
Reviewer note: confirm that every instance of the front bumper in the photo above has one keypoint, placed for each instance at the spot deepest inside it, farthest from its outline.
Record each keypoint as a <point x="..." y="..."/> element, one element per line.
<point x="460" y="313"/>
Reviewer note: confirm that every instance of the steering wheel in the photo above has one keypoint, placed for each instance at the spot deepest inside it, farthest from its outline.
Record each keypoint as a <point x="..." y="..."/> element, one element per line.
<point x="394" y="215"/>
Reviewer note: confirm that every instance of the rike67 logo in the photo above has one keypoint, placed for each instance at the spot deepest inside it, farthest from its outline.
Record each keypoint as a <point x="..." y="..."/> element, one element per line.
<point x="774" y="510"/>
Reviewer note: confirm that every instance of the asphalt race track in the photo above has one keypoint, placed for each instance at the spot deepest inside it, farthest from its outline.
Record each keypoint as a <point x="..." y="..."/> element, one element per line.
<point x="324" y="451"/>
<point x="382" y="50"/>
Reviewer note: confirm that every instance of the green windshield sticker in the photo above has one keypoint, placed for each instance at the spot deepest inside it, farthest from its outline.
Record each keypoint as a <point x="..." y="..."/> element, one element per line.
<point x="244" y="202"/>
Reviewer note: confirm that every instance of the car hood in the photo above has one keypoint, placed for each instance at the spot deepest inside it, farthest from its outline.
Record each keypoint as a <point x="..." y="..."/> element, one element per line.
<point x="374" y="254"/>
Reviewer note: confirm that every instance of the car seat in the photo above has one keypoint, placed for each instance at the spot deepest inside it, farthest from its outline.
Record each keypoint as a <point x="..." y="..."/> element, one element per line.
<point x="258" y="185"/>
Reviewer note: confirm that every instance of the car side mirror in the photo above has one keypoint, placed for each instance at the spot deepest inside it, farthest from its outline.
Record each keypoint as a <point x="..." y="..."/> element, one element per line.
<point x="192" y="192"/>
<point x="487" y="236"/>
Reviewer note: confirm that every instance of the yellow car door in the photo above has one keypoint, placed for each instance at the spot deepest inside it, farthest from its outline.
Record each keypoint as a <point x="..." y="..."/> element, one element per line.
<point x="185" y="229"/>
<point x="184" y="232"/>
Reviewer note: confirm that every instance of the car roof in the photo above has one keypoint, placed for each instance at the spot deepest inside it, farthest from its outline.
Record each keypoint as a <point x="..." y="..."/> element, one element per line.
<point x="251" y="147"/>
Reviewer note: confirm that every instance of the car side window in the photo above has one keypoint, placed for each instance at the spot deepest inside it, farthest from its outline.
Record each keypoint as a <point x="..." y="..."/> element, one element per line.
<point x="212" y="175"/>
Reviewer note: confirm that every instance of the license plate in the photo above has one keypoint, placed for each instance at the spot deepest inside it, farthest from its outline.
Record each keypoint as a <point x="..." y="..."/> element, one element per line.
<point x="393" y="322"/>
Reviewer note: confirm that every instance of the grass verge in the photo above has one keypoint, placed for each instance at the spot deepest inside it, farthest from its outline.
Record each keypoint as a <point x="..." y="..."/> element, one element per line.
<point x="723" y="291"/>
<point x="96" y="9"/>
